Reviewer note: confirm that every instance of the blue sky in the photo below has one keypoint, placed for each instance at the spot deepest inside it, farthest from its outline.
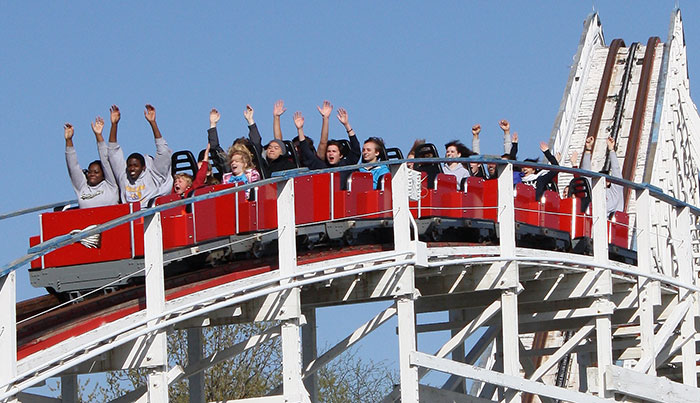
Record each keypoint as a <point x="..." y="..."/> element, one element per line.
<point x="403" y="70"/>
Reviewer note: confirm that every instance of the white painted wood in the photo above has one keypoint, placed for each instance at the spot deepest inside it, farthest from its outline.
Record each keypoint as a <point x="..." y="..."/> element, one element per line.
<point x="429" y="394"/>
<point x="401" y="212"/>
<point x="508" y="381"/>
<point x="293" y="387"/>
<point x="157" y="355"/>
<point x="649" y="388"/>
<point x="685" y="272"/>
<point x="407" y="345"/>
<point x="8" y="328"/>
<point x="565" y="349"/>
<point x="460" y="336"/>
<point x="644" y="262"/>
<point x="663" y="335"/>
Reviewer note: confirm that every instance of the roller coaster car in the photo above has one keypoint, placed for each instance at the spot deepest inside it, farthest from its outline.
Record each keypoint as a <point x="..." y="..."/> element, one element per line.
<point x="445" y="213"/>
<point x="229" y="226"/>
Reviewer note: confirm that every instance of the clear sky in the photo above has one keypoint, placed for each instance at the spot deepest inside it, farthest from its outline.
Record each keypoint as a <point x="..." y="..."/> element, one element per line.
<point x="403" y="70"/>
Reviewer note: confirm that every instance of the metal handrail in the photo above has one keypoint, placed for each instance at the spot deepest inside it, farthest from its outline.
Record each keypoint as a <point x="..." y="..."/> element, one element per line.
<point x="63" y="240"/>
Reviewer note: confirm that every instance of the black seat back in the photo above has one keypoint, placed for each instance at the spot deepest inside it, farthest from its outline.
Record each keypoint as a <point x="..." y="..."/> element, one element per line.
<point x="344" y="147"/>
<point x="292" y="153"/>
<point x="580" y="188"/>
<point x="394" y="153"/>
<point x="428" y="150"/>
<point x="183" y="161"/>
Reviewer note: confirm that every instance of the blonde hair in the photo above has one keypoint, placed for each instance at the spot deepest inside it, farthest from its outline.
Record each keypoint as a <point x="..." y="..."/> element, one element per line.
<point x="186" y="177"/>
<point x="242" y="151"/>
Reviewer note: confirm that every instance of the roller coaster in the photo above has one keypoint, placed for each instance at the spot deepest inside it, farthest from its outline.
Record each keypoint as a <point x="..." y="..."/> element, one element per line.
<point x="568" y="303"/>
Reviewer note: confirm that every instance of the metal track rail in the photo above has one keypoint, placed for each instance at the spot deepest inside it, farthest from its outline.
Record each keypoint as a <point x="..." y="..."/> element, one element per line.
<point x="635" y="136"/>
<point x="599" y="107"/>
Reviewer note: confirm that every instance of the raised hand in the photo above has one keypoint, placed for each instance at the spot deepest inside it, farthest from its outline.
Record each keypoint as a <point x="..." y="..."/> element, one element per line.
<point x="68" y="131"/>
<point x="514" y="138"/>
<point x="98" y="125"/>
<point x="214" y="117"/>
<point x="574" y="158"/>
<point x="589" y="143"/>
<point x="298" y="120"/>
<point x="248" y="114"/>
<point x="544" y="146"/>
<point x="611" y="143"/>
<point x="279" y="108"/>
<point x="342" y="116"/>
<point x="150" y="113"/>
<point x="206" y="153"/>
<point x="114" y="114"/>
<point x="325" y="110"/>
<point x="476" y="129"/>
<point x="504" y="125"/>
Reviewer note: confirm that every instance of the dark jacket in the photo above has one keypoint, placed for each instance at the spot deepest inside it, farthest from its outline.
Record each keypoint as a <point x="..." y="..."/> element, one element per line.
<point x="311" y="160"/>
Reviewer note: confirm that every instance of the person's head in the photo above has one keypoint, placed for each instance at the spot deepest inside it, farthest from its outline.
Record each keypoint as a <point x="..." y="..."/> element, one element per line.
<point x="371" y="149"/>
<point x="474" y="168"/>
<point x="240" y="160"/>
<point x="309" y="142"/>
<point x="182" y="183"/>
<point x="529" y="170"/>
<point x="492" y="169"/>
<point x="95" y="173"/>
<point x="455" y="149"/>
<point x="275" y="148"/>
<point x="334" y="152"/>
<point x="506" y="156"/>
<point x="135" y="164"/>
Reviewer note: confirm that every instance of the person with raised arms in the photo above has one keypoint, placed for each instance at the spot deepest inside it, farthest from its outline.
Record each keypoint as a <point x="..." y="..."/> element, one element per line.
<point x="140" y="178"/>
<point x="98" y="186"/>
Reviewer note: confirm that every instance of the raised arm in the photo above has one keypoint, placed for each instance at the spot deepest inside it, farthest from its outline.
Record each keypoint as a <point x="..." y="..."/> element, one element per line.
<point x="150" y="114"/>
<point x="162" y="161"/>
<point x="114" y="152"/>
<point x="505" y="126"/>
<point x="514" y="147"/>
<point x="587" y="154"/>
<point x="573" y="159"/>
<point x="545" y="149"/>
<point x="97" y="127"/>
<point x="354" y="153"/>
<point x="476" y="147"/>
<point x="325" y="112"/>
<point x="308" y="157"/>
<point x="114" y="116"/>
<point x="614" y="163"/>
<point x="201" y="176"/>
<point x="253" y="133"/>
<point x="277" y="111"/>
<point x="219" y="159"/>
<point x="77" y="177"/>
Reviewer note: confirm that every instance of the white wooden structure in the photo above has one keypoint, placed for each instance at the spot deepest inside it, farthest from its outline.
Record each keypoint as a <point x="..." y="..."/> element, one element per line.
<point x="632" y="329"/>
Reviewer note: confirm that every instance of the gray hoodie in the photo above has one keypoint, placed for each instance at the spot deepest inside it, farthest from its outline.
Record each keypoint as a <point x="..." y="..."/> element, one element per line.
<point x="614" y="200"/>
<point x="154" y="181"/>
<point x="104" y="193"/>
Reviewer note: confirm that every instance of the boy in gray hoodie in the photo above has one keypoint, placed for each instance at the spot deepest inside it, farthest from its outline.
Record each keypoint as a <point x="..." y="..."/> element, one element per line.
<point x="140" y="178"/>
